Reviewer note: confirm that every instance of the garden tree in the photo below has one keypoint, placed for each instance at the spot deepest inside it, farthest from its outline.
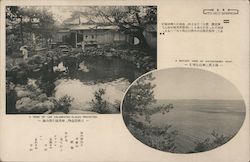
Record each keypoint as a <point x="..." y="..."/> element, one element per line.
<point x="63" y="104"/>
<point x="140" y="98"/>
<point x="213" y="142"/>
<point x="14" y="28"/>
<point x="41" y="23"/>
<point x="131" y="20"/>
<point x="23" y="22"/>
<point x="140" y="102"/>
<point x="99" y="104"/>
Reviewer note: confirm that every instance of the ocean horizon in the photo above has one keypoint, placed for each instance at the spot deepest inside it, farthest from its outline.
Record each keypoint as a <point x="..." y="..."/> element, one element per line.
<point x="196" y="119"/>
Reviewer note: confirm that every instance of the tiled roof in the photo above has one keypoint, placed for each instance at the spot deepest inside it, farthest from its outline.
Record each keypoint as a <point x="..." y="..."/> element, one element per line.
<point x="88" y="27"/>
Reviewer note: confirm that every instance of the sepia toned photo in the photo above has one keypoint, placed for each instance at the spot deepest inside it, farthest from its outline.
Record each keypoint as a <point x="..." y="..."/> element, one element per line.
<point x="76" y="59"/>
<point x="183" y="110"/>
<point x="124" y="81"/>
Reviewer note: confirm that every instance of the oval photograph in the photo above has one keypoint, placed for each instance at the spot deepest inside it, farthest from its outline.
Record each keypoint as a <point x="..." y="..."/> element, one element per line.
<point x="183" y="110"/>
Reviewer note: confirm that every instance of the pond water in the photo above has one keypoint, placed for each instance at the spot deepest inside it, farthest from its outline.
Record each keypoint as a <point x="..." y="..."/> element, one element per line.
<point x="78" y="78"/>
<point x="103" y="69"/>
<point x="84" y="93"/>
<point x="93" y="73"/>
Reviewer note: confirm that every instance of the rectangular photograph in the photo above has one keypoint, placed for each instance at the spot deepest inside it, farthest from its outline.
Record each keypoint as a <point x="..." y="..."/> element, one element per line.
<point x="76" y="59"/>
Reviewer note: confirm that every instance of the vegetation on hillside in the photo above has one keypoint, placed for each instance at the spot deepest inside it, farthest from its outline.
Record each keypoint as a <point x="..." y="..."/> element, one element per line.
<point x="138" y="103"/>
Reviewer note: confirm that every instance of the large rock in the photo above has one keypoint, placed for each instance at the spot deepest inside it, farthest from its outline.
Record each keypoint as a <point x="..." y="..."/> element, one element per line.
<point x="134" y="52"/>
<point x="45" y="105"/>
<point x="146" y="58"/>
<point x="108" y="54"/>
<point x="25" y="104"/>
<point x="48" y="104"/>
<point x="29" y="90"/>
<point x="38" y="111"/>
<point x="41" y="107"/>
<point x="48" y="112"/>
<point x="58" y="112"/>
<point x="22" y="93"/>
<point x="32" y="83"/>
<point x="19" y="88"/>
<point x="81" y="112"/>
<point x="42" y="97"/>
<point x="52" y="99"/>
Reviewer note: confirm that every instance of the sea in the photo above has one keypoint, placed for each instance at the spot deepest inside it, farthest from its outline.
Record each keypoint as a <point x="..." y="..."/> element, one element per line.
<point x="195" y="120"/>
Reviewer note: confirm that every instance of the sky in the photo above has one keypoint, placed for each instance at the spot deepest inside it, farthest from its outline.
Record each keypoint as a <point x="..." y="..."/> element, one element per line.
<point x="61" y="13"/>
<point x="187" y="83"/>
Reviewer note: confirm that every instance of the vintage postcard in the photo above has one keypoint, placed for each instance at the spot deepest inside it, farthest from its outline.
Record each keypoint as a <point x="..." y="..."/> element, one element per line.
<point x="124" y="80"/>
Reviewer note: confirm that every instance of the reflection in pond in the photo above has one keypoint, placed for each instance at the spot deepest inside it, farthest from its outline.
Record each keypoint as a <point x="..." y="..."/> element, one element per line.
<point x="60" y="67"/>
<point x="72" y="85"/>
<point x="92" y="74"/>
<point x="82" y="67"/>
<point x="83" y="94"/>
<point x="101" y="69"/>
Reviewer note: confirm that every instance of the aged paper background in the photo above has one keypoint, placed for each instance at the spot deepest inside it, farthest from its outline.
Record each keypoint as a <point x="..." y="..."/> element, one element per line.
<point x="107" y="138"/>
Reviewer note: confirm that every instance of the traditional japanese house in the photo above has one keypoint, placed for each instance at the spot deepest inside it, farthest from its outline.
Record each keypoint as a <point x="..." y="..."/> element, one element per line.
<point x="90" y="32"/>
<point x="61" y="36"/>
<point x="96" y="35"/>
